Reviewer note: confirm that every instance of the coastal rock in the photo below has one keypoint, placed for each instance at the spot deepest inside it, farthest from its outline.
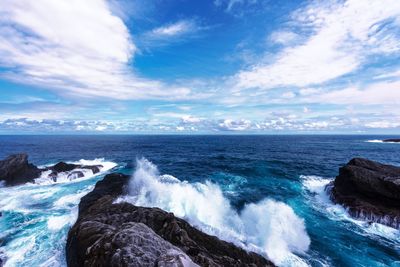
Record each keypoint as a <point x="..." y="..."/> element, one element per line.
<point x="121" y="234"/>
<point x="369" y="190"/>
<point x="393" y="140"/>
<point x="75" y="175"/>
<point x="16" y="169"/>
<point x="67" y="167"/>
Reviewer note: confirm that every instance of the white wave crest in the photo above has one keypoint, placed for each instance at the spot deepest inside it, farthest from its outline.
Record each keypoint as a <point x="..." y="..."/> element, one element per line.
<point x="381" y="141"/>
<point x="316" y="185"/>
<point x="65" y="177"/>
<point x="268" y="227"/>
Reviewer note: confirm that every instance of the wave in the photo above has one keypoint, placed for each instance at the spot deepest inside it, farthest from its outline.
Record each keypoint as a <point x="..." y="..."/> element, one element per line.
<point x="268" y="227"/>
<point x="316" y="186"/>
<point x="71" y="176"/>
<point x="381" y="141"/>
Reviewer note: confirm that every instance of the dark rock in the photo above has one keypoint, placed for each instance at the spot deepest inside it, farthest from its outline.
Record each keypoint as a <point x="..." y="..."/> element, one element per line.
<point x="95" y="168"/>
<point x="393" y="140"/>
<point x="109" y="234"/>
<point x="15" y="170"/>
<point x="369" y="190"/>
<point x="63" y="167"/>
<point x="75" y="175"/>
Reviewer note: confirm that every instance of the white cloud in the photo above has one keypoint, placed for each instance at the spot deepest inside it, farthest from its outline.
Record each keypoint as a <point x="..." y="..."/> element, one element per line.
<point x="283" y="37"/>
<point x="234" y="125"/>
<point x="344" y="35"/>
<point x="382" y="124"/>
<point x="79" y="46"/>
<point x="175" y="29"/>
<point x="374" y="94"/>
<point x="190" y="119"/>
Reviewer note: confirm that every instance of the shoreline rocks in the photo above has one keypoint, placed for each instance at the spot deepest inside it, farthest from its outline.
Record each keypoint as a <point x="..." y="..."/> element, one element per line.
<point x="369" y="190"/>
<point x="392" y="140"/>
<point x="16" y="170"/>
<point x="121" y="234"/>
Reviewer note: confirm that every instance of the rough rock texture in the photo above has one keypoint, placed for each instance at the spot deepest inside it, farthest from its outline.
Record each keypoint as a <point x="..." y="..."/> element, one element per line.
<point x="369" y="190"/>
<point x="68" y="167"/>
<point x="108" y="234"/>
<point x="395" y="140"/>
<point x="16" y="169"/>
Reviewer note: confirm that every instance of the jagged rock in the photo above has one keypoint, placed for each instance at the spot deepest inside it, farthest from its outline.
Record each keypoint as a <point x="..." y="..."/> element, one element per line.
<point x="393" y="140"/>
<point x="16" y="169"/>
<point x="95" y="168"/>
<point x="369" y="190"/>
<point x="106" y="234"/>
<point x="75" y="175"/>
<point x="63" y="167"/>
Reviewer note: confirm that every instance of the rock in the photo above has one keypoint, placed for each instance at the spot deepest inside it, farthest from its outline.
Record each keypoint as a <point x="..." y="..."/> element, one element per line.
<point x="121" y="234"/>
<point x="95" y="168"/>
<point x="394" y="140"/>
<point x="63" y="167"/>
<point x="369" y="190"/>
<point x="75" y="175"/>
<point x="15" y="170"/>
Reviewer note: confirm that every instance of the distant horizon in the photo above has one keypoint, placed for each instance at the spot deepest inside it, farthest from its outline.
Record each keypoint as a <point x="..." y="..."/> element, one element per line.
<point x="212" y="66"/>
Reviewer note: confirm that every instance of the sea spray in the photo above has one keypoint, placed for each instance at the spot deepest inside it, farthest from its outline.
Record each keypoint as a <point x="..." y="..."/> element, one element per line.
<point x="268" y="227"/>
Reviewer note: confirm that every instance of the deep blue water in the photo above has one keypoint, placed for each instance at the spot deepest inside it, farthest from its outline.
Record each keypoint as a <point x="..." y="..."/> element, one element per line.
<point x="247" y="169"/>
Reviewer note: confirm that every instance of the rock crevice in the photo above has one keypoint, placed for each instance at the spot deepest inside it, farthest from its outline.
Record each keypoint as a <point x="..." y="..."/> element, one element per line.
<point x="369" y="190"/>
<point x="109" y="234"/>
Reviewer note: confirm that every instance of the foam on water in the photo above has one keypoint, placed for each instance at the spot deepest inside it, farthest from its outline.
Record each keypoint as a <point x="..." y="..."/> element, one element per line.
<point x="268" y="227"/>
<point x="66" y="177"/>
<point x="316" y="186"/>
<point x="36" y="217"/>
<point x="381" y="141"/>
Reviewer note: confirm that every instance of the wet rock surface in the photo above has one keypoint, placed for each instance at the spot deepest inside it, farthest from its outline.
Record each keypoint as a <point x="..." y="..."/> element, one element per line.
<point x="121" y="234"/>
<point x="369" y="190"/>
<point x="393" y="140"/>
<point x="15" y="169"/>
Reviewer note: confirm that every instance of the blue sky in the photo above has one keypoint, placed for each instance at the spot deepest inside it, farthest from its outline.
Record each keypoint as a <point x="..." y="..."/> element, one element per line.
<point x="218" y="66"/>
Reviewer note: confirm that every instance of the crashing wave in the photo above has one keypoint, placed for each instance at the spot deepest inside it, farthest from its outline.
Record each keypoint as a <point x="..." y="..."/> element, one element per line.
<point x="381" y="141"/>
<point x="268" y="227"/>
<point x="80" y="173"/>
<point x="319" y="188"/>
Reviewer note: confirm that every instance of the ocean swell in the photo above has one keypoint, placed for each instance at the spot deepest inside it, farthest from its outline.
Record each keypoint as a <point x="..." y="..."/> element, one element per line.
<point x="267" y="227"/>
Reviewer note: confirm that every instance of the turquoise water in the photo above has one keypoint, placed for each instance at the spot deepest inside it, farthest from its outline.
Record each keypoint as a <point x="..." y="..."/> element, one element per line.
<point x="261" y="190"/>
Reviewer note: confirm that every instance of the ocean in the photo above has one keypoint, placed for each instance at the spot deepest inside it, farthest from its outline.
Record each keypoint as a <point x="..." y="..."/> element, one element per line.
<point x="264" y="193"/>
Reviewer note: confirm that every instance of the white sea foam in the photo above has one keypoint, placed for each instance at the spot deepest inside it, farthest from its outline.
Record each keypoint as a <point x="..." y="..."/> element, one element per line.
<point x="267" y="227"/>
<point x="316" y="185"/>
<point x="56" y="223"/>
<point x="65" y="177"/>
<point x="71" y="199"/>
<point x="381" y="141"/>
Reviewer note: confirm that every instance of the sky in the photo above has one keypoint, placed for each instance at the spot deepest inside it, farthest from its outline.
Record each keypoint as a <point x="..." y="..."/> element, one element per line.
<point x="199" y="67"/>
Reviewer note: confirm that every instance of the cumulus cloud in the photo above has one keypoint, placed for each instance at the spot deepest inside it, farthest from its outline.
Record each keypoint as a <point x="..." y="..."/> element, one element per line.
<point x="78" y="47"/>
<point x="344" y="35"/>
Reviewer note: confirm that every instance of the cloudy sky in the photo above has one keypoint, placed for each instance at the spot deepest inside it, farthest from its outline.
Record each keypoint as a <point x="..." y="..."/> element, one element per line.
<point x="183" y="66"/>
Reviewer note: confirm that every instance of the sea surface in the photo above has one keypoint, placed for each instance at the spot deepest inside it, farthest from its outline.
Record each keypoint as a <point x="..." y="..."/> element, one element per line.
<point x="264" y="193"/>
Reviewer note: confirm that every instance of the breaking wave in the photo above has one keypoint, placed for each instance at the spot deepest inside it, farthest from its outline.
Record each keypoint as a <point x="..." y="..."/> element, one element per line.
<point x="316" y="186"/>
<point x="70" y="176"/>
<point x="380" y="141"/>
<point x="268" y="227"/>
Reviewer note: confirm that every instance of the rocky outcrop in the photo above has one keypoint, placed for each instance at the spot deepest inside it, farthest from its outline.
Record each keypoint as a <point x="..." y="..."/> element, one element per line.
<point x="16" y="169"/>
<point x="369" y="190"/>
<point x="69" y="167"/>
<point x="393" y="140"/>
<point x="121" y="234"/>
